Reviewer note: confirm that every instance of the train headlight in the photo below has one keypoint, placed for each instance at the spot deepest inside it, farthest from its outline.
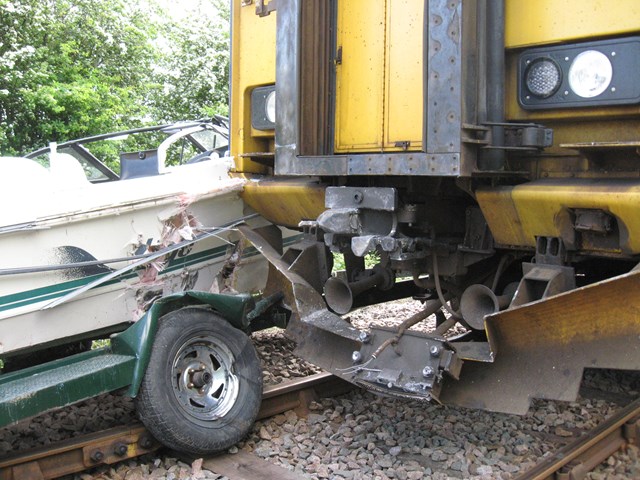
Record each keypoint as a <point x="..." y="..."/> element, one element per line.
<point x="263" y="108"/>
<point x="543" y="77"/>
<point x="270" y="107"/>
<point x="580" y="75"/>
<point x="590" y="74"/>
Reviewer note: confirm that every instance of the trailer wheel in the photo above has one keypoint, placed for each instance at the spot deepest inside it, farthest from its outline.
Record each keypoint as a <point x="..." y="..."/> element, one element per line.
<point x="202" y="389"/>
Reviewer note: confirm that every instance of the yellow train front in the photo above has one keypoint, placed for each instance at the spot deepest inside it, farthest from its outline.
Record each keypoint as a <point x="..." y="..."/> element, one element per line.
<point x="487" y="151"/>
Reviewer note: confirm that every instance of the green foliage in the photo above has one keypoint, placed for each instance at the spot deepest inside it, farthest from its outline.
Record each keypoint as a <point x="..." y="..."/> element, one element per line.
<point x="193" y="74"/>
<point x="70" y="68"/>
<point x="370" y="260"/>
<point x="74" y="68"/>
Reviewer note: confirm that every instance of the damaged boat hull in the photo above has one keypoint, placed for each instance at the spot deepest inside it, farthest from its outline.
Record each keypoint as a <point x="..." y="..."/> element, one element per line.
<point x="63" y="237"/>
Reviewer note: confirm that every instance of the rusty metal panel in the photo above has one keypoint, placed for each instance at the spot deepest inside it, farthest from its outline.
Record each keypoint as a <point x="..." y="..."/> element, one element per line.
<point x="542" y="348"/>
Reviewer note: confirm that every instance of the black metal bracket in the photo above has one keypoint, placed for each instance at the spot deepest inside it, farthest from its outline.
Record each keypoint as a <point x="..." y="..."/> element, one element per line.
<point x="517" y="136"/>
<point x="263" y="8"/>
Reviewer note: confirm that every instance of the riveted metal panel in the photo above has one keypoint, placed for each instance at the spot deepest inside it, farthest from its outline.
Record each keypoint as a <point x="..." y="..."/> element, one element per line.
<point x="404" y="164"/>
<point x="419" y="164"/>
<point x="444" y="69"/>
<point x="287" y="84"/>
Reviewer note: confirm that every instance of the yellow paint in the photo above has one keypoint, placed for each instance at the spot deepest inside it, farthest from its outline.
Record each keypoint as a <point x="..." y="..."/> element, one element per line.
<point x="285" y="202"/>
<point x="516" y="215"/>
<point x="253" y="60"/>
<point x="403" y="71"/>
<point x="360" y="76"/>
<point x="536" y="22"/>
<point x="379" y="82"/>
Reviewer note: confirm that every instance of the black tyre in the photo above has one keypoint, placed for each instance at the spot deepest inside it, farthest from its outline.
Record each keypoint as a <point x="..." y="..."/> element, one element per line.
<point x="202" y="389"/>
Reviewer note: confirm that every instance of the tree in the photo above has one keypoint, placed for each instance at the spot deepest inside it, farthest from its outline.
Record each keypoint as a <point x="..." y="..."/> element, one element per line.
<point x="73" y="68"/>
<point x="193" y="73"/>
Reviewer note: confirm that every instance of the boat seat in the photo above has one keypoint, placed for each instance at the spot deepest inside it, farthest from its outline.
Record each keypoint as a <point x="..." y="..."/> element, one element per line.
<point x="138" y="164"/>
<point x="66" y="170"/>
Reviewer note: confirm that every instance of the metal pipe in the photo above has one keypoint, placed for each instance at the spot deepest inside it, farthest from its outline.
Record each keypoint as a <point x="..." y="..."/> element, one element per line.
<point x="493" y="159"/>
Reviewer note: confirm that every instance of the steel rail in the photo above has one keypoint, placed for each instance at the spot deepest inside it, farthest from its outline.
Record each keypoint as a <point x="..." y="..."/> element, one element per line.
<point x="121" y="443"/>
<point x="578" y="458"/>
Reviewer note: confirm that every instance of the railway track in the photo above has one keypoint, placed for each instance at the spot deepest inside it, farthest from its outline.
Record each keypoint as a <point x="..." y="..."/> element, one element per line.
<point x="118" y="444"/>
<point x="108" y="447"/>
<point x="578" y="458"/>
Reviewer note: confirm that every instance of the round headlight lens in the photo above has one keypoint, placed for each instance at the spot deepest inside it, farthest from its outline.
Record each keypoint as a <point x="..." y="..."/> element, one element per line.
<point x="543" y="77"/>
<point x="590" y="74"/>
<point x="270" y="107"/>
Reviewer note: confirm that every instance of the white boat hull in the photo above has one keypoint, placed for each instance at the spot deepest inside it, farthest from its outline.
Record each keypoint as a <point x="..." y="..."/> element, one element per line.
<point x="60" y="238"/>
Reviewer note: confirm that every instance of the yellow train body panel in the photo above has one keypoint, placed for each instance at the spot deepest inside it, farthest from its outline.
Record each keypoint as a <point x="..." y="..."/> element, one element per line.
<point x="285" y="202"/>
<point x="379" y="76"/>
<point x="253" y="59"/>
<point x="538" y="22"/>
<point x="359" y="76"/>
<point x="516" y="215"/>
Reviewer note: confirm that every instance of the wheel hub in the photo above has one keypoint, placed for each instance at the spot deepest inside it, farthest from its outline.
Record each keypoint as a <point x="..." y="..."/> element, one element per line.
<point x="203" y="378"/>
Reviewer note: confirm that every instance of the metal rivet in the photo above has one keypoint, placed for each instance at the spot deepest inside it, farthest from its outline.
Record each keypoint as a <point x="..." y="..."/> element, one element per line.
<point x="356" y="356"/>
<point x="427" y="372"/>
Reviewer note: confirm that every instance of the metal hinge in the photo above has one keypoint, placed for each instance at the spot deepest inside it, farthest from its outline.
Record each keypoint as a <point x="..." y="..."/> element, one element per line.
<point x="517" y="136"/>
<point x="263" y="8"/>
<point x="338" y="58"/>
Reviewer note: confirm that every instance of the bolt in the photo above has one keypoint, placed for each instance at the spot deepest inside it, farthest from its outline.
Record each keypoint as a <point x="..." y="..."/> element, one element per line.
<point x="145" y="442"/>
<point x="428" y="372"/>
<point x="190" y="371"/>
<point x="190" y="385"/>
<point x="202" y="367"/>
<point x="358" y="196"/>
<point x="356" y="356"/>
<point x="364" y="337"/>
<point x="435" y="350"/>
<point x="390" y="385"/>
<point x="120" y="449"/>
<point x="97" y="456"/>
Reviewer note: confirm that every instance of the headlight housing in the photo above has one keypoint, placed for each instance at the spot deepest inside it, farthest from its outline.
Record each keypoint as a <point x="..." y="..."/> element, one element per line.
<point x="590" y="74"/>
<point x="263" y="108"/>
<point x="580" y="75"/>
<point x="543" y="77"/>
